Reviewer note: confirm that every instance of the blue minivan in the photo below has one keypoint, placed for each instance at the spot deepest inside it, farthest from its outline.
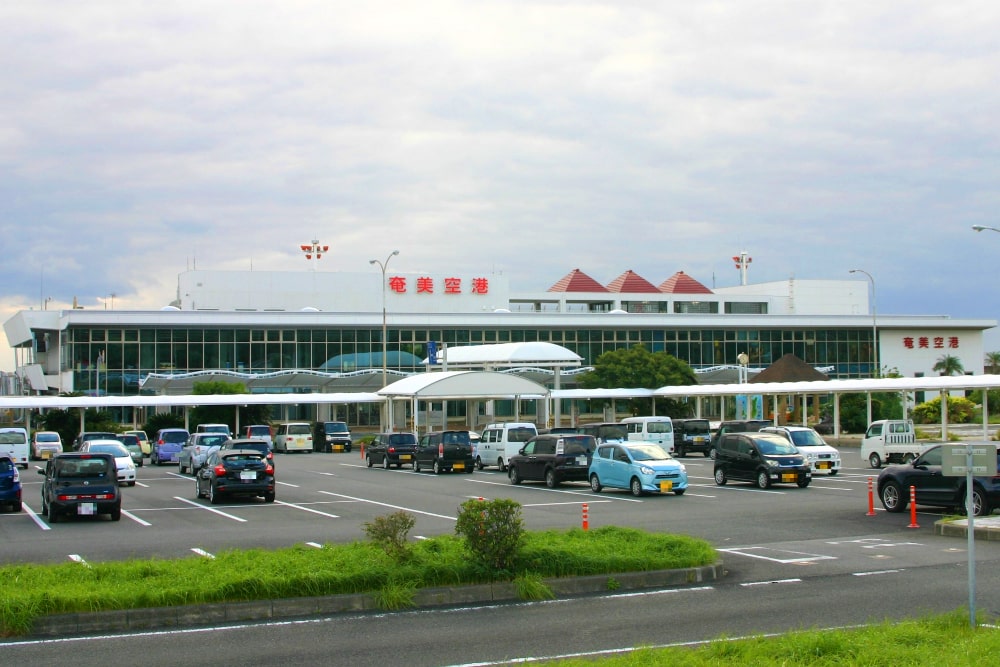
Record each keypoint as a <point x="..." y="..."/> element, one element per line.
<point x="167" y="445"/>
<point x="10" y="483"/>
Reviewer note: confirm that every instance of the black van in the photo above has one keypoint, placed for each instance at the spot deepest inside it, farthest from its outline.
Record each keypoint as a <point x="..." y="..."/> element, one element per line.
<point x="553" y="458"/>
<point x="444" y="451"/>
<point x="762" y="458"/>
<point x="736" y="426"/>
<point x="692" y="435"/>
<point x="81" y="485"/>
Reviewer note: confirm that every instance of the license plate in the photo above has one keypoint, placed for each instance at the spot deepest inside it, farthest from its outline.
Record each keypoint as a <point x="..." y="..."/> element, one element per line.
<point x="459" y="466"/>
<point x="699" y="438"/>
<point x="665" y="487"/>
<point x="86" y="509"/>
<point x="248" y="474"/>
<point x="789" y="477"/>
<point x="404" y="457"/>
<point x="581" y="460"/>
<point x="823" y="465"/>
<point x="46" y="455"/>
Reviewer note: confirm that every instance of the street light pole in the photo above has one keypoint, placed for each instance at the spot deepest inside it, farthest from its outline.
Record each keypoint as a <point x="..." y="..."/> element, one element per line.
<point x="878" y="370"/>
<point x="980" y="228"/>
<point x="383" y="265"/>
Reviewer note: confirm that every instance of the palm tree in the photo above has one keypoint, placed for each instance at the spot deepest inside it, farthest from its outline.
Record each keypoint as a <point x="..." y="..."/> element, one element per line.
<point x="948" y="365"/>
<point x="993" y="362"/>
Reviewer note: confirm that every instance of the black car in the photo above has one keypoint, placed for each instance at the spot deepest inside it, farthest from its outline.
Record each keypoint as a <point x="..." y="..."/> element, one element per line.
<point x="762" y="458"/>
<point x="444" y="451"/>
<point x="235" y="472"/>
<point x="736" y="426"/>
<point x="388" y="449"/>
<point x="606" y="431"/>
<point x="692" y="435"/>
<point x="933" y="488"/>
<point x="553" y="458"/>
<point x="82" y="485"/>
<point x="337" y="435"/>
<point x="256" y="445"/>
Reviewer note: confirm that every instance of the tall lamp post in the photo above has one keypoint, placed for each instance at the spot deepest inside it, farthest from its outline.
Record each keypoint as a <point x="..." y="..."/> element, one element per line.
<point x="383" y="265"/>
<point x="980" y="228"/>
<point x="878" y="370"/>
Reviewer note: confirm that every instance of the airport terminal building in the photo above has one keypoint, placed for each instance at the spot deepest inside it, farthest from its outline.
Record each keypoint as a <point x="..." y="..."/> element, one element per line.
<point x="323" y="331"/>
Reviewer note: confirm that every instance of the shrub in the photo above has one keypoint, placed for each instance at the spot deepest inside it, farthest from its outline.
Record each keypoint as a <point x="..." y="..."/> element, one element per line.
<point x="960" y="411"/>
<point x="390" y="532"/>
<point x="493" y="531"/>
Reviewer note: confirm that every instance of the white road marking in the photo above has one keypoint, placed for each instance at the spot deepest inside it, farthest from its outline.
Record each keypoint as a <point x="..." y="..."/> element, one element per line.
<point x="776" y="555"/>
<point x="210" y="509"/>
<point x="306" y="509"/>
<point x="136" y="519"/>
<point x="773" y="581"/>
<point x="395" y="507"/>
<point x="202" y="552"/>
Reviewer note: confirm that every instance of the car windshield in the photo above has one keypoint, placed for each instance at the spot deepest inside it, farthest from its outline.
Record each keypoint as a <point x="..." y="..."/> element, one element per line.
<point x="115" y="450"/>
<point x="775" y="446"/>
<point x="335" y="427"/>
<point x="649" y="453"/>
<point x="699" y="426"/>
<point x="806" y="439"/>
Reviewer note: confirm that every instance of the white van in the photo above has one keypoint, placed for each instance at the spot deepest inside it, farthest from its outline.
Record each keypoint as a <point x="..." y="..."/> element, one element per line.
<point x="658" y="430"/>
<point x="14" y="443"/>
<point x="499" y="442"/>
<point x="294" y="437"/>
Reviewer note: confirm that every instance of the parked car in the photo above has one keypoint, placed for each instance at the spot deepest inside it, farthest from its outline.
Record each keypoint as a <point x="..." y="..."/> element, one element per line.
<point x="133" y="446"/>
<point x="293" y="437"/>
<point x="251" y="443"/>
<point x="214" y="428"/>
<point x="84" y="436"/>
<point x="167" y="445"/>
<point x="143" y="441"/>
<point x="498" y="442"/>
<point x="639" y="467"/>
<point x="232" y="472"/>
<point x="935" y="489"/>
<point x="444" y="451"/>
<point x="14" y="443"/>
<point x="553" y="459"/>
<point x="692" y="435"/>
<point x="123" y="458"/>
<point x="337" y="434"/>
<point x="10" y="483"/>
<point x="260" y="432"/>
<point x="196" y="450"/>
<point x="45" y="445"/>
<point x="80" y="484"/>
<point x="763" y="458"/>
<point x="389" y="449"/>
<point x="736" y="426"/>
<point x="821" y="456"/>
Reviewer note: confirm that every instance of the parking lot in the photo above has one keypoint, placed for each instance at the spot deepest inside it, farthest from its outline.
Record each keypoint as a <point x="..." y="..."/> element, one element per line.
<point x="325" y="498"/>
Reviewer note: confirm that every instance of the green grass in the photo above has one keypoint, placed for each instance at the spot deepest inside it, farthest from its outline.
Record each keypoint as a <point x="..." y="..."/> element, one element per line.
<point x="30" y="591"/>
<point x="938" y="640"/>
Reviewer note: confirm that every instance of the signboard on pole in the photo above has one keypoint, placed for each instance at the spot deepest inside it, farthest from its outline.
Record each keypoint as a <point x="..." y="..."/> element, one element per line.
<point x="955" y="460"/>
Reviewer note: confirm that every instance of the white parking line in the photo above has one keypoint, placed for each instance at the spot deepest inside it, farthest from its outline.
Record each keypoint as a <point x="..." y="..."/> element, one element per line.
<point x="565" y="491"/>
<point x="775" y="581"/>
<point x="294" y="486"/>
<point x="210" y="509"/>
<point x="777" y="555"/>
<point x="136" y="519"/>
<point x="37" y="518"/>
<point x="395" y="507"/>
<point x="306" y="509"/>
<point x="203" y="553"/>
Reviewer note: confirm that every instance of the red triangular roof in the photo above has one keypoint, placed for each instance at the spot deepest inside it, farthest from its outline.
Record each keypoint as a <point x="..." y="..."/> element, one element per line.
<point x="577" y="281"/>
<point x="632" y="283"/>
<point x="681" y="283"/>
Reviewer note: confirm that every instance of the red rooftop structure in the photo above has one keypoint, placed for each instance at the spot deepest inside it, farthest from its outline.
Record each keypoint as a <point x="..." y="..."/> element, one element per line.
<point x="681" y="283"/>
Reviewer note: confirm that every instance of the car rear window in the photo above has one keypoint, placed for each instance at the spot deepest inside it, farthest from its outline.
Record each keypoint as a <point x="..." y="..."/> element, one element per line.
<point x="255" y="446"/>
<point x="520" y="434"/>
<point x="580" y="444"/>
<point x="257" y="431"/>
<point x="12" y="438"/>
<point x="456" y="438"/>
<point x="6" y="465"/>
<point x="174" y="436"/>
<point x="402" y="439"/>
<point x="299" y="429"/>
<point x="82" y="468"/>
<point x="47" y="437"/>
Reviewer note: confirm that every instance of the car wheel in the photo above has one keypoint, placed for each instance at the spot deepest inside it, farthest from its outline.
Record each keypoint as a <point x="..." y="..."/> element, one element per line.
<point x="469" y="470"/>
<point x="116" y="513"/>
<point x="437" y="467"/>
<point x="269" y="497"/>
<point x="681" y="452"/>
<point x="763" y="479"/>
<point x="595" y="484"/>
<point x="416" y="464"/>
<point x="908" y="458"/>
<point x="679" y="492"/>
<point x="980" y="506"/>
<point x="500" y="464"/>
<point x="551" y="480"/>
<point x="512" y="474"/>
<point x="368" y="459"/>
<point x="53" y="514"/>
<point x="720" y="477"/>
<point x="707" y="454"/>
<point x="635" y="486"/>
<point x="711" y="453"/>
<point x="132" y="483"/>
<point x="803" y="483"/>
<point x="833" y="472"/>
<point x="875" y="461"/>
<point x="385" y="463"/>
<point x="214" y="496"/>
<point x="892" y="497"/>
<point x="479" y="463"/>
<point x="197" y="489"/>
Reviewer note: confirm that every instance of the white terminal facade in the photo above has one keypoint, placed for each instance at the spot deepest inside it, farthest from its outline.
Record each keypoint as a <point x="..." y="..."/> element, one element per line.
<point x="299" y="331"/>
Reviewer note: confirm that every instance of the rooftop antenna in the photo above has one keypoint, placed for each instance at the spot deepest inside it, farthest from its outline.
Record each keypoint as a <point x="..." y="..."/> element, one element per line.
<point x="742" y="264"/>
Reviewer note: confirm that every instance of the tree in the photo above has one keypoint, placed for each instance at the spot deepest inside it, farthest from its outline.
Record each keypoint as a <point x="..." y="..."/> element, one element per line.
<point x="637" y="367"/>
<point x="67" y="422"/>
<point x="992" y="362"/>
<point x="948" y="365"/>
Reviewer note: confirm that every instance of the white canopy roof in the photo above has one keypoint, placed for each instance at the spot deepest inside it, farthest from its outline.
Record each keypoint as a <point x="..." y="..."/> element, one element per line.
<point x="502" y="355"/>
<point x="463" y="384"/>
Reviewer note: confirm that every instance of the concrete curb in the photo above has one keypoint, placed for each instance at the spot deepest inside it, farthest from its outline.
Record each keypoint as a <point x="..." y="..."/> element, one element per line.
<point x="191" y="616"/>
<point x="986" y="528"/>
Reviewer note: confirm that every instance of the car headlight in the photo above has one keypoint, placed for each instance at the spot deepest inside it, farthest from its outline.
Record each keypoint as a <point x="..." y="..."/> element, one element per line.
<point x="683" y="468"/>
<point x="646" y="470"/>
<point x="772" y="463"/>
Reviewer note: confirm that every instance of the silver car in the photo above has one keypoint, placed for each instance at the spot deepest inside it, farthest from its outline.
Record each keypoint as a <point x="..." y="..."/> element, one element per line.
<point x="196" y="450"/>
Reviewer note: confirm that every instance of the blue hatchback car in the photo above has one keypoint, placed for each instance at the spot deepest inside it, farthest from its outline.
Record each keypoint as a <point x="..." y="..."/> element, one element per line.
<point x="167" y="445"/>
<point x="637" y="466"/>
<point x="10" y="484"/>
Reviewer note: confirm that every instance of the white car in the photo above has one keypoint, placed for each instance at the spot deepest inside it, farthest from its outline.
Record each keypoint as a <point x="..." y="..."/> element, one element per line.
<point x="123" y="458"/>
<point x="821" y="456"/>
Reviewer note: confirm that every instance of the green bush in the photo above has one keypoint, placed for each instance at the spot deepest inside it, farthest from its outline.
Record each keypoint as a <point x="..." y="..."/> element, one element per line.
<point x="960" y="411"/>
<point x="493" y="531"/>
<point x="390" y="533"/>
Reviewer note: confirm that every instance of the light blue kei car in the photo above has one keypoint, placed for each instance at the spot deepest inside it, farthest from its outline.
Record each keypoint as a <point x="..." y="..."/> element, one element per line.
<point x="637" y="466"/>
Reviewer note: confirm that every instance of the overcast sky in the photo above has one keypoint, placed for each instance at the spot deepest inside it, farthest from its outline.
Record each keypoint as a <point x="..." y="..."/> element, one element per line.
<point x="140" y="139"/>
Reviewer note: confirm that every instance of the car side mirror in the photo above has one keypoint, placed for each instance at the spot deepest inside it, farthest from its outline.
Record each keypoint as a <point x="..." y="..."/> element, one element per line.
<point x="520" y="452"/>
<point x="754" y="454"/>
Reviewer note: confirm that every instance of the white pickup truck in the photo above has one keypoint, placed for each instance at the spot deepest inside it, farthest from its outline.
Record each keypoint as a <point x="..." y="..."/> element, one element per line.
<point x="890" y="441"/>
